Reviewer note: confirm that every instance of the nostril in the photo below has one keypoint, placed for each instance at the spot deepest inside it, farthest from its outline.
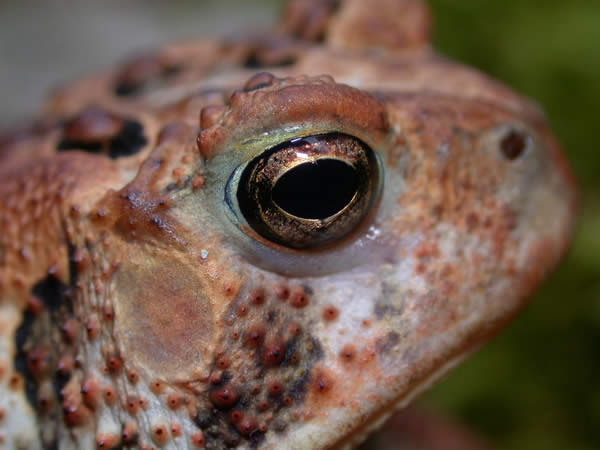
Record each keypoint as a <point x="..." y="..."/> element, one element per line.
<point x="513" y="144"/>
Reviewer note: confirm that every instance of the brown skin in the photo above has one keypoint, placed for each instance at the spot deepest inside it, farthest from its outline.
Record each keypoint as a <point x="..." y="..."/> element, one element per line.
<point x="147" y="312"/>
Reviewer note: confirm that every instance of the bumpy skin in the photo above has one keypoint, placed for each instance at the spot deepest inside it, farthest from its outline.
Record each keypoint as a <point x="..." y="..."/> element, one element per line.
<point x="137" y="310"/>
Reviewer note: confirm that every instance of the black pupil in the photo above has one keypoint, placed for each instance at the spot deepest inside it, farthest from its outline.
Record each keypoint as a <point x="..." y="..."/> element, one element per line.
<point x="316" y="190"/>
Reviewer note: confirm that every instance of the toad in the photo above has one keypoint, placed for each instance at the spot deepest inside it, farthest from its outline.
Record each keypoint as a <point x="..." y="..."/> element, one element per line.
<point x="266" y="241"/>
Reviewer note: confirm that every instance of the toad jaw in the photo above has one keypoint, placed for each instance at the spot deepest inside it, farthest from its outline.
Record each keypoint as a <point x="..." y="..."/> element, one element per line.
<point x="201" y="323"/>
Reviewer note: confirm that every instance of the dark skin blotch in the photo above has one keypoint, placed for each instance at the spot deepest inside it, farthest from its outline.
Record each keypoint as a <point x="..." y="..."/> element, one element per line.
<point x="59" y="382"/>
<point x="383" y="308"/>
<point x="205" y="418"/>
<point x="386" y="343"/>
<point x="255" y="438"/>
<point x="128" y="88"/>
<point x="127" y="143"/>
<point x="20" y="361"/>
<point x="298" y="388"/>
<point x="51" y="292"/>
<point x="255" y="61"/>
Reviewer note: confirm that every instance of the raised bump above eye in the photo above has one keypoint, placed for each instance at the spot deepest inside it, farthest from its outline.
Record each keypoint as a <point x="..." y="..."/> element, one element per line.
<point x="311" y="191"/>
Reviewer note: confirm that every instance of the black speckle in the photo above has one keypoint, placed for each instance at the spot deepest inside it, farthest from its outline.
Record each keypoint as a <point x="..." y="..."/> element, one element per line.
<point x="130" y="141"/>
<point x="279" y="426"/>
<point x="255" y="61"/>
<point x="308" y="290"/>
<point x="59" y="382"/>
<point x="297" y="389"/>
<point x="171" y="187"/>
<point x="232" y="440"/>
<point x="386" y="343"/>
<point x="225" y="378"/>
<point x="383" y="305"/>
<point x="383" y="309"/>
<point x="51" y="292"/>
<point x="127" y="88"/>
<point x="72" y="266"/>
<point x="271" y="316"/>
<point x="255" y="438"/>
<point x="205" y="418"/>
<point x="22" y="334"/>
<point x="291" y="348"/>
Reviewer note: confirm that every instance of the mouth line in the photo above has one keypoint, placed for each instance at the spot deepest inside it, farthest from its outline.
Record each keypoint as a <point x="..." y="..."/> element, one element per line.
<point x="377" y="419"/>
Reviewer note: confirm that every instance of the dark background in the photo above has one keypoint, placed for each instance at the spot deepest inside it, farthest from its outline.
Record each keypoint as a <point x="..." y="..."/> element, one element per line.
<point x="537" y="386"/>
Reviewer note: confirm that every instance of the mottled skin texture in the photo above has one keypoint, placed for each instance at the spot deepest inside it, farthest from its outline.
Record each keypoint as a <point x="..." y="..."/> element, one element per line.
<point x="137" y="308"/>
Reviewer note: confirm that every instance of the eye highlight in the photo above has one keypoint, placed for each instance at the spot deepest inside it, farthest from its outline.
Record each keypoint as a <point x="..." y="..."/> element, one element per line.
<point x="310" y="191"/>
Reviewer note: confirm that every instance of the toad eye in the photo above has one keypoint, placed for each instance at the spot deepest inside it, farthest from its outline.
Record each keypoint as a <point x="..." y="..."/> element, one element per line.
<point x="311" y="191"/>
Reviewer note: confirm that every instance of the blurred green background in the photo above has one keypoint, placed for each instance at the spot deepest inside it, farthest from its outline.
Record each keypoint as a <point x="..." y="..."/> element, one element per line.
<point x="536" y="386"/>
